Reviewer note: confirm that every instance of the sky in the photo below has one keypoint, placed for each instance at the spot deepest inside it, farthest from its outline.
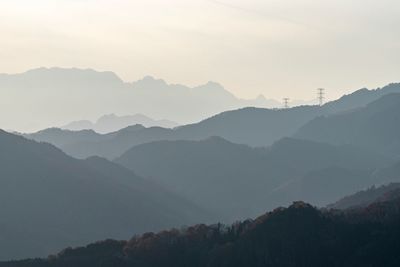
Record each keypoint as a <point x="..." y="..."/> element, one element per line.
<point x="279" y="48"/>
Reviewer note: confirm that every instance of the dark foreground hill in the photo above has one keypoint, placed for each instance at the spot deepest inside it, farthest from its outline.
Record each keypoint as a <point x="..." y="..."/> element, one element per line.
<point x="296" y="236"/>
<point x="49" y="200"/>
<point x="238" y="181"/>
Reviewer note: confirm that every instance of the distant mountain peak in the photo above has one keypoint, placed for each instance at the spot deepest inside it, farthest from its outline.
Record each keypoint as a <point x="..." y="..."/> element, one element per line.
<point x="60" y="71"/>
<point x="213" y="87"/>
<point x="149" y="82"/>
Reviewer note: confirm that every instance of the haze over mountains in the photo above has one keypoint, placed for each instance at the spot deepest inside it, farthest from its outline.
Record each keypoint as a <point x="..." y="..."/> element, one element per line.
<point x="191" y="163"/>
<point x="206" y="133"/>
<point x="375" y="126"/>
<point x="251" y="126"/>
<point x="111" y="123"/>
<point x="179" y="158"/>
<point x="233" y="165"/>
<point x="237" y="181"/>
<point x="76" y="94"/>
<point x="69" y="92"/>
<point x="49" y="200"/>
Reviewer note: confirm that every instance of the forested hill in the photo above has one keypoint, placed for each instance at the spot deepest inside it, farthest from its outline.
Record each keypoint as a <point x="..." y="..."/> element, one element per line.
<point x="299" y="235"/>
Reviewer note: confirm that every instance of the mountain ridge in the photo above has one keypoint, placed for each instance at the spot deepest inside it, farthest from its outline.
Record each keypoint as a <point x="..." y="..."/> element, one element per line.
<point x="59" y="89"/>
<point x="251" y="126"/>
<point x="55" y="200"/>
<point x="215" y="173"/>
<point x="374" y="126"/>
<point x="111" y="123"/>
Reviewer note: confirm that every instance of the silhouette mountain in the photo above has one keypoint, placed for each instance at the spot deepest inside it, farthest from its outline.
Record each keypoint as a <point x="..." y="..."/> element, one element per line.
<point x="111" y="123"/>
<point x="49" y="200"/>
<point x="68" y="92"/>
<point x="237" y="181"/>
<point x="299" y="235"/>
<point x="375" y="126"/>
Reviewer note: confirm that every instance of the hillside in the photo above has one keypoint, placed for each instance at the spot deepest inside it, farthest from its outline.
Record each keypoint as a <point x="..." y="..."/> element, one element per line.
<point x="375" y="126"/>
<point x="238" y="181"/>
<point x="49" y="200"/>
<point x="252" y="126"/>
<point x="299" y="235"/>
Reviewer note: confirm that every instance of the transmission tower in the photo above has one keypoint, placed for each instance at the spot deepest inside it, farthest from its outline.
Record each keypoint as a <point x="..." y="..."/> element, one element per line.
<point x="321" y="95"/>
<point x="286" y="102"/>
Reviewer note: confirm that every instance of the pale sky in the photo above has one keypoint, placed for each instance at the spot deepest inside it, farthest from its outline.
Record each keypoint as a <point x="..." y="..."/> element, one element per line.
<point x="280" y="48"/>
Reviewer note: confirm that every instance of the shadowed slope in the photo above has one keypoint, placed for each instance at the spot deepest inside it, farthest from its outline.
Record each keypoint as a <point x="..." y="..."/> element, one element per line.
<point x="49" y="200"/>
<point x="376" y="126"/>
<point x="238" y="181"/>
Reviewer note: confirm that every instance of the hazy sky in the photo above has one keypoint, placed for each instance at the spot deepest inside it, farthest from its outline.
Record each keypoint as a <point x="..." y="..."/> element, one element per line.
<point x="278" y="48"/>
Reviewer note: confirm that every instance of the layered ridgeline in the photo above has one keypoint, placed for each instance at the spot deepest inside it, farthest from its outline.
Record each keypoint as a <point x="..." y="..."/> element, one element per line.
<point x="69" y="93"/>
<point x="238" y="181"/>
<point x="375" y="126"/>
<point x="299" y="235"/>
<point x="112" y="123"/>
<point x="251" y="126"/>
<point x="257" y="127"/>
<point x="49" y="200"/>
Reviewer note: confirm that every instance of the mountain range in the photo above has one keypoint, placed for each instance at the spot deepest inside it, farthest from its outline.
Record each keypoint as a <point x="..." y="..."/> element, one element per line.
<point x="69" y="93"/>
<point x="112" y="123"/>
<point x="375" y="126"/>
<point x="251" y="126"/>
<point x="206" y="163"/>
<point x="61" y="187"/>
<point x="49" y="200"/>
<point x="238" y="181"/>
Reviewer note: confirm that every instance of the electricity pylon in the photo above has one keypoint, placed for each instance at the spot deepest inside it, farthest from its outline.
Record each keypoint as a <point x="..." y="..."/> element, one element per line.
<point x="286" y="102"/>
<point x="321" y="95"/>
